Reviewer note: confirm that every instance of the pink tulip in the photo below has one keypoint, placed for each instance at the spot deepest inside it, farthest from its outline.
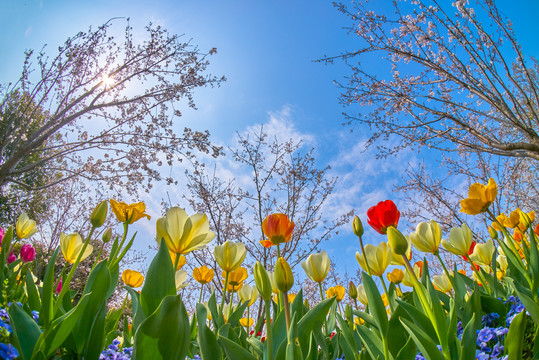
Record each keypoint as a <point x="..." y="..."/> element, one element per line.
<point x="28" y="253"/>
<point x="11" y="258"/>
<point x="2" y="233"/>
<point x="59" y="287"/>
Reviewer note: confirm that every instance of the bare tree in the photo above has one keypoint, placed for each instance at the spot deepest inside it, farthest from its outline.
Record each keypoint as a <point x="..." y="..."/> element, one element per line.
<point x="459" y="79"/>
<point x="108" y="109"/>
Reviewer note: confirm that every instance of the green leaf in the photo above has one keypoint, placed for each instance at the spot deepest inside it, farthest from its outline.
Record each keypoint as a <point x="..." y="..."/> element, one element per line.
<point x="138" y="314"/>
<point x="207" y="342"/>
<point x="159" y="282"/>
<point x="372" y="343"/>
<point x="366" y="317"/>
<point x="165" y="333"/>
<point x="114" y="271"/>
<point x="469" y="338"/>
<point x="526" y="297"/>
<point x="258" y="346"/>
<point x="34" y="300"/>
<point x="45" y="314"/>
<point x="423" y="341"/>
<point x="235" y="351"/>
<point x="376" y="304"/>
<point x="408" y="351"/>
<point x="396" y="334"/>
<point x="514" y="340"/>
<point x="297" y="308"/>
<point x="321" y="341"/>
<point x="96" y="338"/>
<point x="25" y="330"/>
<point x="347" y="342"/>
<point x="313" y="319"/>
<point x="420" y="319"/>
<point x="293" y="349"/>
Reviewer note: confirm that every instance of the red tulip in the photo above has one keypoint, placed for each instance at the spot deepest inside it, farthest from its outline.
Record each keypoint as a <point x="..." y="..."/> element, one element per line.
<point x="59" y="287"/>
<point x="11" y="258"/>
<point x="383" y="215"/>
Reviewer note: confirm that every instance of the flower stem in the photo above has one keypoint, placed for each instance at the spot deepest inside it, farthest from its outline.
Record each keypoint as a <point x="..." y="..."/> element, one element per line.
<point x="224" y="292"/>
<point x="269" y="335"/>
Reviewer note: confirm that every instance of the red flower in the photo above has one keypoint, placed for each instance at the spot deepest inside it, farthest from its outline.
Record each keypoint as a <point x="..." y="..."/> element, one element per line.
<point x="278" y="228"/>
<point x="28" y="253"/>
<point x="383" y="215"/>
<point x="536" y="230"/>
<point x="472" y="246"/>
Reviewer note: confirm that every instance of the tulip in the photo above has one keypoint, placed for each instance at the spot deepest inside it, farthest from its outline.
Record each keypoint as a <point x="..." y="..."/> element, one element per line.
<point x="493" y="233"/>
<point x="274" y="288"/>
<point x="418" y="269"/>
<point x="284" y="279"/>
<point x="501" y="260"/>
<point x="11" y="258"/>
<point x="179" y="277"/>
<point x="203" y="274"/>
<point x="316" y="266"/>
<point x="396" y="241"/>
<point x="352" y="290"/>
<point x="128" y="213"/>
<point x="107" y="235"/>
<point x="357" y="226"/>
<point x="480" y="197"/>
<point x="182" y="260"/>
<point x="427" y="237"/>
<point x="248" y="294"/>
<point x="395" y="276"/>
<point x="230" y="255"/>
<point x="25" y="227"/>
<point x="58" y="289"/>
<point x="2" y="233"/>
<point x="132" y="278"/>
<point x="442" y="283"/>
<point x="262" y="280"/>
<point x="291" y="298"/>
<point x="525" y="220"/>
<point x="398" y="259"/>
<point x="235" y="279"/>
<point x="337" y="291"/>
<point x="378" y="258"/>
<point x="99" y="214"/>
<point x="278" y="228"/>
<point x="28" y="253"/>
<point x="460" y="240"/>
<point x="183" y="233"/>
<point x="383" y="215"/>
<point x="71" y="245"/>
<point x="362" y="295"/>
<point x="246" y="323"/>
<point x="482" y="253"/>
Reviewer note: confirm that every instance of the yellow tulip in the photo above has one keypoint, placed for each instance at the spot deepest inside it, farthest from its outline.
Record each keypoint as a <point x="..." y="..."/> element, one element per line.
<point x="203" y="274"/>
<point x="395" y="276"/>
<point x="460" y="240"/>
<point x="246" y="323"/>
<point x="352" y="290"/>
<point x="25" y="227"/>
<point x="183" y="233"/>
<point x="230" y="255"/>
<point x="397" y="259"/>
<point x="362" y="295"/>
<point x="378" y="258"/>
<point x="132" y="278"/>
<point x="271" y="277"/>
<point x="248" y="294"/>
<point x="427" y="237"/>
<point x="525" y="220"/>
<point x="181" y="262"/>
<point x="417" y="268"/>
<point x="180" y="276"/>
<point x="337" y="291"/>
<point x="291" y="298"/>
<point x="482" y="253"/>
<point x="128" y="213"/>
<point x="235" y="279"/>
<point x="480" y="197"/>
<point x="501" y="261"/>
<point x="316" y="266"/>
<point x="71" y="245"/>
<point x="262" y="280"/>
<point x="442" y="283"/>
<point x="284" y="279"/>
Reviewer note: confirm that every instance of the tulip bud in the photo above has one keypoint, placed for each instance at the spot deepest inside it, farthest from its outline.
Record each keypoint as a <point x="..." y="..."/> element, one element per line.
<point x="263" y="283"/>
<point x="99" y="214"/>
<point x="493" y="233"/>
<point x="107" y="235"/>
<point x="306" y="303"/>
<point x="396" y="241"/>
<point x="357" y="226"/>
<point x="352" y="290"/>
<point x="524" y="220"/>
<point x="284" y="279"/>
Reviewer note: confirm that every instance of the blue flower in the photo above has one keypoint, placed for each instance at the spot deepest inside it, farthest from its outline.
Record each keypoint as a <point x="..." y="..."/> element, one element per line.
<point x="485" y="335"/>
<point x="8" y="351"/>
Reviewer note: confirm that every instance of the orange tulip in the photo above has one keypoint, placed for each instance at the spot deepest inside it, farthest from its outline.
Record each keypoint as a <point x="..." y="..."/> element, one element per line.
<point x="278" y="228"/>
<point x="128" y="213"/>
<point x="203" y="274"/>
<point x="132" y="278"/>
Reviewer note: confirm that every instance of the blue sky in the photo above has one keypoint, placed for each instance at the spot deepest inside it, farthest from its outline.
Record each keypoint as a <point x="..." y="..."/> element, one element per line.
<point x="266" y="50"/>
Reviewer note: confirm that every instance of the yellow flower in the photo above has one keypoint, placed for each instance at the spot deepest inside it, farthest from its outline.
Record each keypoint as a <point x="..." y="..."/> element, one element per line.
<point x="291" y="298"/>
<point x="395" y="276"/>
<point x="460" y="240"/>
<point x="480" y="197"/>
<point x="337" y="291"/>
<point x="25" y="227"/>
<point x="525" y="220"/>
<point x="442" y="283"/>
<point x="181" y="262"/>
<point x="501" y="260"/>
<point x="397" y="259"/>
<point x="284" y="279"/>
<point x="128" y="213"/>
<point x="183" y="233"/>
<point x="245" y="323"/>
<point x="418" y="268"/>
<point x="230" y="255"/>
<point x="203" y="274"/>
<point x="248" y="294"/>
<point x="272" y="281"/>
<point x="132" y="278"/>
<point x="482" y="253"/>
<point x="71" y="245"/>
<point x="385" y="300"/>
<point x="427" y="236"/>
<point x="316" y="266"/>
<point x="235" y="279"/>
<point x="362" y="295"/>
<point x="180" y="276"/>
<point x="378" y="258"/>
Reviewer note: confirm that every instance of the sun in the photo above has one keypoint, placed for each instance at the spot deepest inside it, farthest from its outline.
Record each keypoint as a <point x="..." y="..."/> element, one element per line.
<point x="107" y="81"/>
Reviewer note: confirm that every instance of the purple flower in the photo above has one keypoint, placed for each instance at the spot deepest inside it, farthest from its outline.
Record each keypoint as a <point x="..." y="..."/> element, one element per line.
<point x="2" y="233"/>
<point x="485" y="335"/>
<point x="28" y="253"/>
<point x="11" y="258"/>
